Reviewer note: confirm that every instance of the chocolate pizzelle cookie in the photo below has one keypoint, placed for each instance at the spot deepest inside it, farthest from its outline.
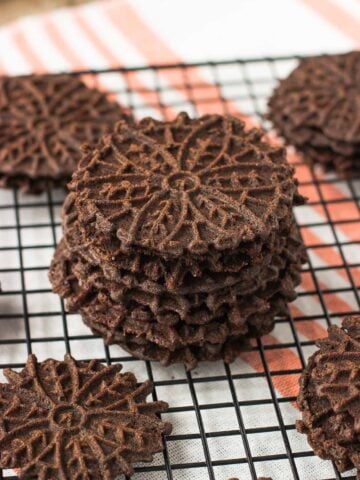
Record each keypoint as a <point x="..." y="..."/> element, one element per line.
<point x="330" y="397"/>
<point x="172" y="324"/>
<point x="75" y="419"/>
<point x="179" y="238"/>
<point x="316" y="109"/>
<point x="44" y="119"/>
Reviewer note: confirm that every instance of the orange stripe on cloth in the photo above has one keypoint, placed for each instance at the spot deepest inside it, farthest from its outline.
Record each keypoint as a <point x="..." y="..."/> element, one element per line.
<point x="277" y="359"/>
<point x="60" y="43"/>
<point x="285" y="358"/>
<point x="333" y="301"/>
<point x="351" y="230"/>
<point x="96" y="42"/>
<point x="329" y="255"/>
<point x="337" y="17"/>
<point x="31" y="57"/>
<point x="329" y="192"/>
<point x="125" y="18"/>
<point x="310" y="329"/>
<point x="111" y="56"/>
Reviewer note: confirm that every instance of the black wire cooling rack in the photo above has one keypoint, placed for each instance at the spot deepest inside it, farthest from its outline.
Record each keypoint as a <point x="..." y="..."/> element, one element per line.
<point x="229" y="420"/>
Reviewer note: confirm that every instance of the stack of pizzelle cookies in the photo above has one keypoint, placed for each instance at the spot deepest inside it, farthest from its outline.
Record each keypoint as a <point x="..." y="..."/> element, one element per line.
<point x="179" y="238"/>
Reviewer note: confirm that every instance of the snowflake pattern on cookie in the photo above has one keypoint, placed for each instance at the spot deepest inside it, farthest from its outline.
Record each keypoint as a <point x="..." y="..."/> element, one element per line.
<point x="77" y="420"/>
<point x="330" y="396"/>
<point x="184" y="185"/>
<point x="44" y="119"/>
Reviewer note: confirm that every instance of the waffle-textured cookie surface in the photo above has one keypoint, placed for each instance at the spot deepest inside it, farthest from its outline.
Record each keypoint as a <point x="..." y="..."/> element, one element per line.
<point x="185" y="274"/>
<point x="317" y="109"/>
<point x="184" y="186"/>
<point x="178" y="328"/>
<point x="330" y="397"/>
<point x="179" y="238"/>
<point x="73" y="420"/>
<point x="44" y="119"/>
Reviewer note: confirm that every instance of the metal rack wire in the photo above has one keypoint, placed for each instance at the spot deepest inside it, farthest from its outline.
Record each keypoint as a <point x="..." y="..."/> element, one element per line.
<point x="32" y="319"/>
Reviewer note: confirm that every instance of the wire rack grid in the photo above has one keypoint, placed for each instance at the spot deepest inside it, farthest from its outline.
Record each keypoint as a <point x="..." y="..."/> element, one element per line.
<point x="229" y="420"/>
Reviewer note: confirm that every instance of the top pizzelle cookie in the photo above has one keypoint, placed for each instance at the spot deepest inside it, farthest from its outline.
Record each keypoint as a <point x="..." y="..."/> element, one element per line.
<point x="44" y="119"/>
<point x="320" y="98"/>
<point x="184" y="185"/>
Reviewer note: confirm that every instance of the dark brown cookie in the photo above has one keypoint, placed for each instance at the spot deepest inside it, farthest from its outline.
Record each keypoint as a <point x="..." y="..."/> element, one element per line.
<point x="44" y="119"/>
<point x="166" y="330"/>
<point x="330" y="397"/>
<point x="316" y="108"/>
<point x="214" y="342"/>
<point x="185" y="307"/>
<point x="171" y="323"/>
<point x="69" y="419"/>
<point x="91" y="278"/>
<point x="186" y="186"/>
<point x="179" y="275"/>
